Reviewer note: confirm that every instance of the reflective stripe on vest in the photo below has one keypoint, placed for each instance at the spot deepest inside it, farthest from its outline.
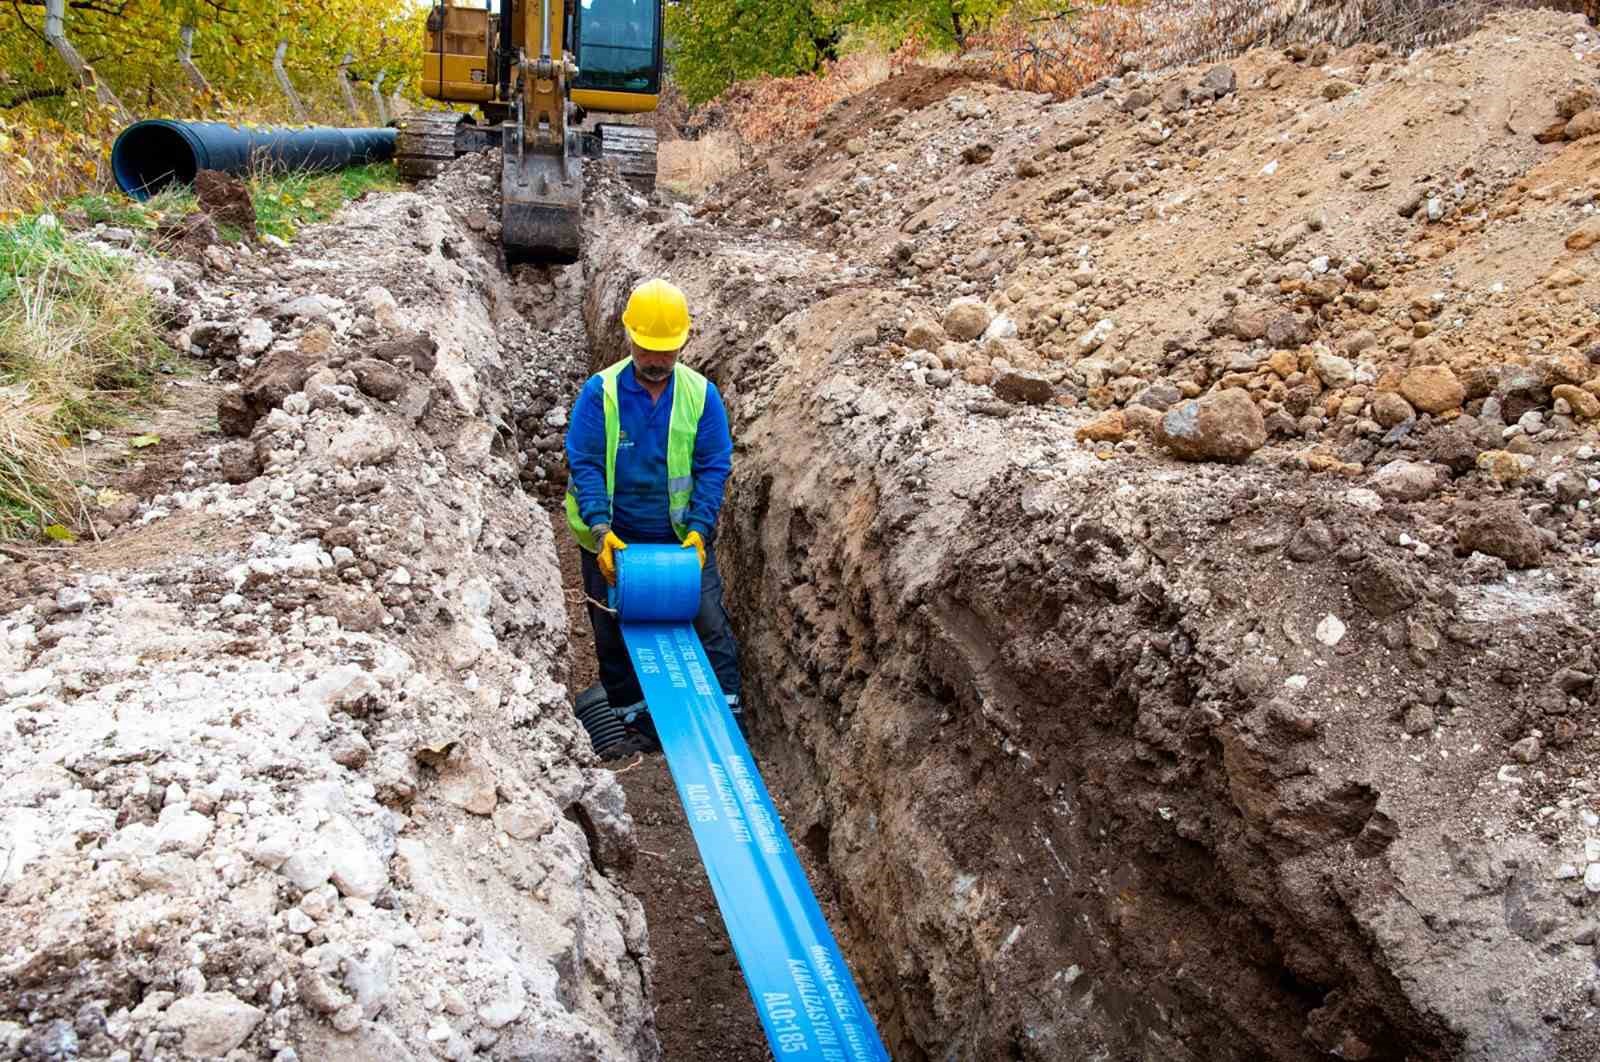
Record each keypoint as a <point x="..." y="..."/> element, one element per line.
<point x="683" y="427"/>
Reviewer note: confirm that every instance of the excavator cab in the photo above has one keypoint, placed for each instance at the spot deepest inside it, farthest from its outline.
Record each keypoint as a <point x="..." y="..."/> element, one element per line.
<point x="618" y="47"/>
<point x="537" y="69"/>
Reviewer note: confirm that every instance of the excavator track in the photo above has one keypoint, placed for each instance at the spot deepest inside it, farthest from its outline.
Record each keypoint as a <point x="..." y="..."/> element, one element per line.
<point x="633" y="149"/>
<point x="426" y="144"/>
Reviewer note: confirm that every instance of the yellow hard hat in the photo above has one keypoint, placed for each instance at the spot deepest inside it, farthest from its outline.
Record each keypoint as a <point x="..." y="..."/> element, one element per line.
<point x="657" y="317"/>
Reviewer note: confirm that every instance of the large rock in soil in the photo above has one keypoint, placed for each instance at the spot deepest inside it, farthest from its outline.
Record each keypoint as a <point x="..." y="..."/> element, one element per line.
<point x="967" y="318"/>
<point x="280" y="375"/>
<point x="416" y="349"/>
<point x="1502" y="531"/>
<point x="1432" y="388"/>
<point x="1223" y="426"/>
<point x="212" y="1023"/>
<point x="1023" y="387"/>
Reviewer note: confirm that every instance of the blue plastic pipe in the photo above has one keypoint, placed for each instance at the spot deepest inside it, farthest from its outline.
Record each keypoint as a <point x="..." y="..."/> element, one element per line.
<point x="154" y="153"/>
<point x="803" y="992"/>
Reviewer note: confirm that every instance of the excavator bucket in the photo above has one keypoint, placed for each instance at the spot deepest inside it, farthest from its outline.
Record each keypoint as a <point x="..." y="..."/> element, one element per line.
<point x="541" y="211"/>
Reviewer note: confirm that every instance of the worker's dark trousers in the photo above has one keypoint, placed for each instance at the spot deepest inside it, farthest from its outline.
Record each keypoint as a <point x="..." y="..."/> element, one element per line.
<point x="716" y="634"/>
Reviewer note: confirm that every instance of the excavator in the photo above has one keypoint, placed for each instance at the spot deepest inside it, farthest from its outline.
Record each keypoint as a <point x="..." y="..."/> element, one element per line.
<point x="537" y="70"/>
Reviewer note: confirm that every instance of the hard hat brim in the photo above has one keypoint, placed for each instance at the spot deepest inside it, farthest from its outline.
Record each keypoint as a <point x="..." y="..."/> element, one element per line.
<point x="659" y="344"/>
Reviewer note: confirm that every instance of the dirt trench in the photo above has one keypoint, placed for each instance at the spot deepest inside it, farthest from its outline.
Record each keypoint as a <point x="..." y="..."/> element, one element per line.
<point x="1088" y="779"/>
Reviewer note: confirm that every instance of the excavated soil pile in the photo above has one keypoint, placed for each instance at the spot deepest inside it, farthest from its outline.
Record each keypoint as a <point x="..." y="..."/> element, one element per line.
<point x="1162" y="537"/>
<point x="285" y="770"/>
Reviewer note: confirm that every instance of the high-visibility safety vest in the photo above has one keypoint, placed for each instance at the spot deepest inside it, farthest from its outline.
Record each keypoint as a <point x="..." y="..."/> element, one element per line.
<point x="688" y="402"/>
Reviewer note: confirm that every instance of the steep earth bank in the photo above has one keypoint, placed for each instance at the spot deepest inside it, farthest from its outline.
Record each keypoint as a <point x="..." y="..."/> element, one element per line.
<point x="285" y="770"/>
<point x="1282" y="750"/>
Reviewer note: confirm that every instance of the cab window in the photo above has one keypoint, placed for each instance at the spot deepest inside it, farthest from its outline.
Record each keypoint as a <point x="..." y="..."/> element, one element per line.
<point x="619" y="45"/>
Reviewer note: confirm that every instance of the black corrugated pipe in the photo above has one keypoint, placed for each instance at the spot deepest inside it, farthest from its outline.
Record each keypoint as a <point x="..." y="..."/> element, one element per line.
<point x="150" y="155"/>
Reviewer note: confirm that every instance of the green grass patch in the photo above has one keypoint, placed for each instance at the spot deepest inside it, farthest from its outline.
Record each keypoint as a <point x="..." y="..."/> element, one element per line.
<point x="285" y="203"/>
<point x="79" y="344"/>
<point x="116" y="209"/>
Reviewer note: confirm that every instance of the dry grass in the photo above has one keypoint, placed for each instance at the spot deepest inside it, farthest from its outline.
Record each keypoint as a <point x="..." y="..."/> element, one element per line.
<point x="78" y="342"/>
<point x="688" y="167"/>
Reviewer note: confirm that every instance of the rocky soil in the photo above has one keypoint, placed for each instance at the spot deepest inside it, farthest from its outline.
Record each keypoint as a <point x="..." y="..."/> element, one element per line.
<point x="285" y="769"/>
<point x="1162" y="538"/>
<point x="1162" y="535"/>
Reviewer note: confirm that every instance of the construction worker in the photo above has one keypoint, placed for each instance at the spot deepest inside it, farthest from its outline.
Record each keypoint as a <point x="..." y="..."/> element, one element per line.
<point x="648" y="455"/>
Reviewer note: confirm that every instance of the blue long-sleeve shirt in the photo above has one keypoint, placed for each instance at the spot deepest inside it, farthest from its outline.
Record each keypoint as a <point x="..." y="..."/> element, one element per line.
<point x="639" y="510"/>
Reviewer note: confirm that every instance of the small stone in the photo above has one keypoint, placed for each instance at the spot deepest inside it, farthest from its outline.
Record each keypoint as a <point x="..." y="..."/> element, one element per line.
<point x="1584" y="236"/>
<point x="1591" y="878"/>
<point x="1576" y="98"/>
<point x="1390" y="409"/>
<point x="1221" y="426"/>
<point x="1584" y="124"/>
<point x="1406" y="481"/>
<point x="239" y="462"/>
<point x="1023" y="387"/>
<point x="356" y="610"/>
<point x="468" y="783"/>
<point x="350" y="750"/>
<point x="1419" y="719"/>
<point x="1432" y="388"/>
<point x="922" y="334"/>
<point x="311" y="307"/>
<point x="1002" y="327"/>
<point x="1312" y="542"/>
<point x="1107" y="427"/>
<point x="1503" y="466"/>
<point x="1330" y="631"/>
<point x="319" y="903"/>
<point x="379" y="379"/>
<point x="1528" y="750"/>
<point x="308" y="868"/>
<point x="319" y="994"/>
<point x="212" y="1023"/>
<point x="71" y="600"/>
<point x="522" y="822"/>
<point x="297" y="921"/>
<point x="1335" y="372"/>
<point x="977" y="154"/>
<point x="967" y="318"/>
<point x="416" y="349"/>
<point x="347" y="1019"/>
<point x="1336" y="89"/>
<point x="1583" y="404"/>
<point x="1220" y="81"/>
<point x="182" y="830"/>
<point x="355" y="869"/>
<point x="364" y="441"/>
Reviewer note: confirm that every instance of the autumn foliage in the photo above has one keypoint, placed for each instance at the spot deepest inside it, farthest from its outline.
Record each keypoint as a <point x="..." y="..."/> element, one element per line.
<point x="55" y="135"/>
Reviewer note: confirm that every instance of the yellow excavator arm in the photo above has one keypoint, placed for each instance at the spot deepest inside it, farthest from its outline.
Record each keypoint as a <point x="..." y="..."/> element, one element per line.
<point x="537" y="69"/>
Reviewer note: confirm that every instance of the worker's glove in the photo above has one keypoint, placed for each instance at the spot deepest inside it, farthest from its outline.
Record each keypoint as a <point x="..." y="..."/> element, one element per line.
<point x="693" y="539"/>
<point x="610" y="546"/>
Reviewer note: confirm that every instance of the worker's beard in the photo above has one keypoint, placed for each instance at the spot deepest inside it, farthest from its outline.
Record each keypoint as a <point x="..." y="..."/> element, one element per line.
<point x="653" y="373"/>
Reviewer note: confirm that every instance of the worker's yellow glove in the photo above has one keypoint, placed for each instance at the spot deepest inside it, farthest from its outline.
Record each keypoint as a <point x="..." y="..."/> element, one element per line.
<point x="693" y="539"/>
<point x="610" y="546"/>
